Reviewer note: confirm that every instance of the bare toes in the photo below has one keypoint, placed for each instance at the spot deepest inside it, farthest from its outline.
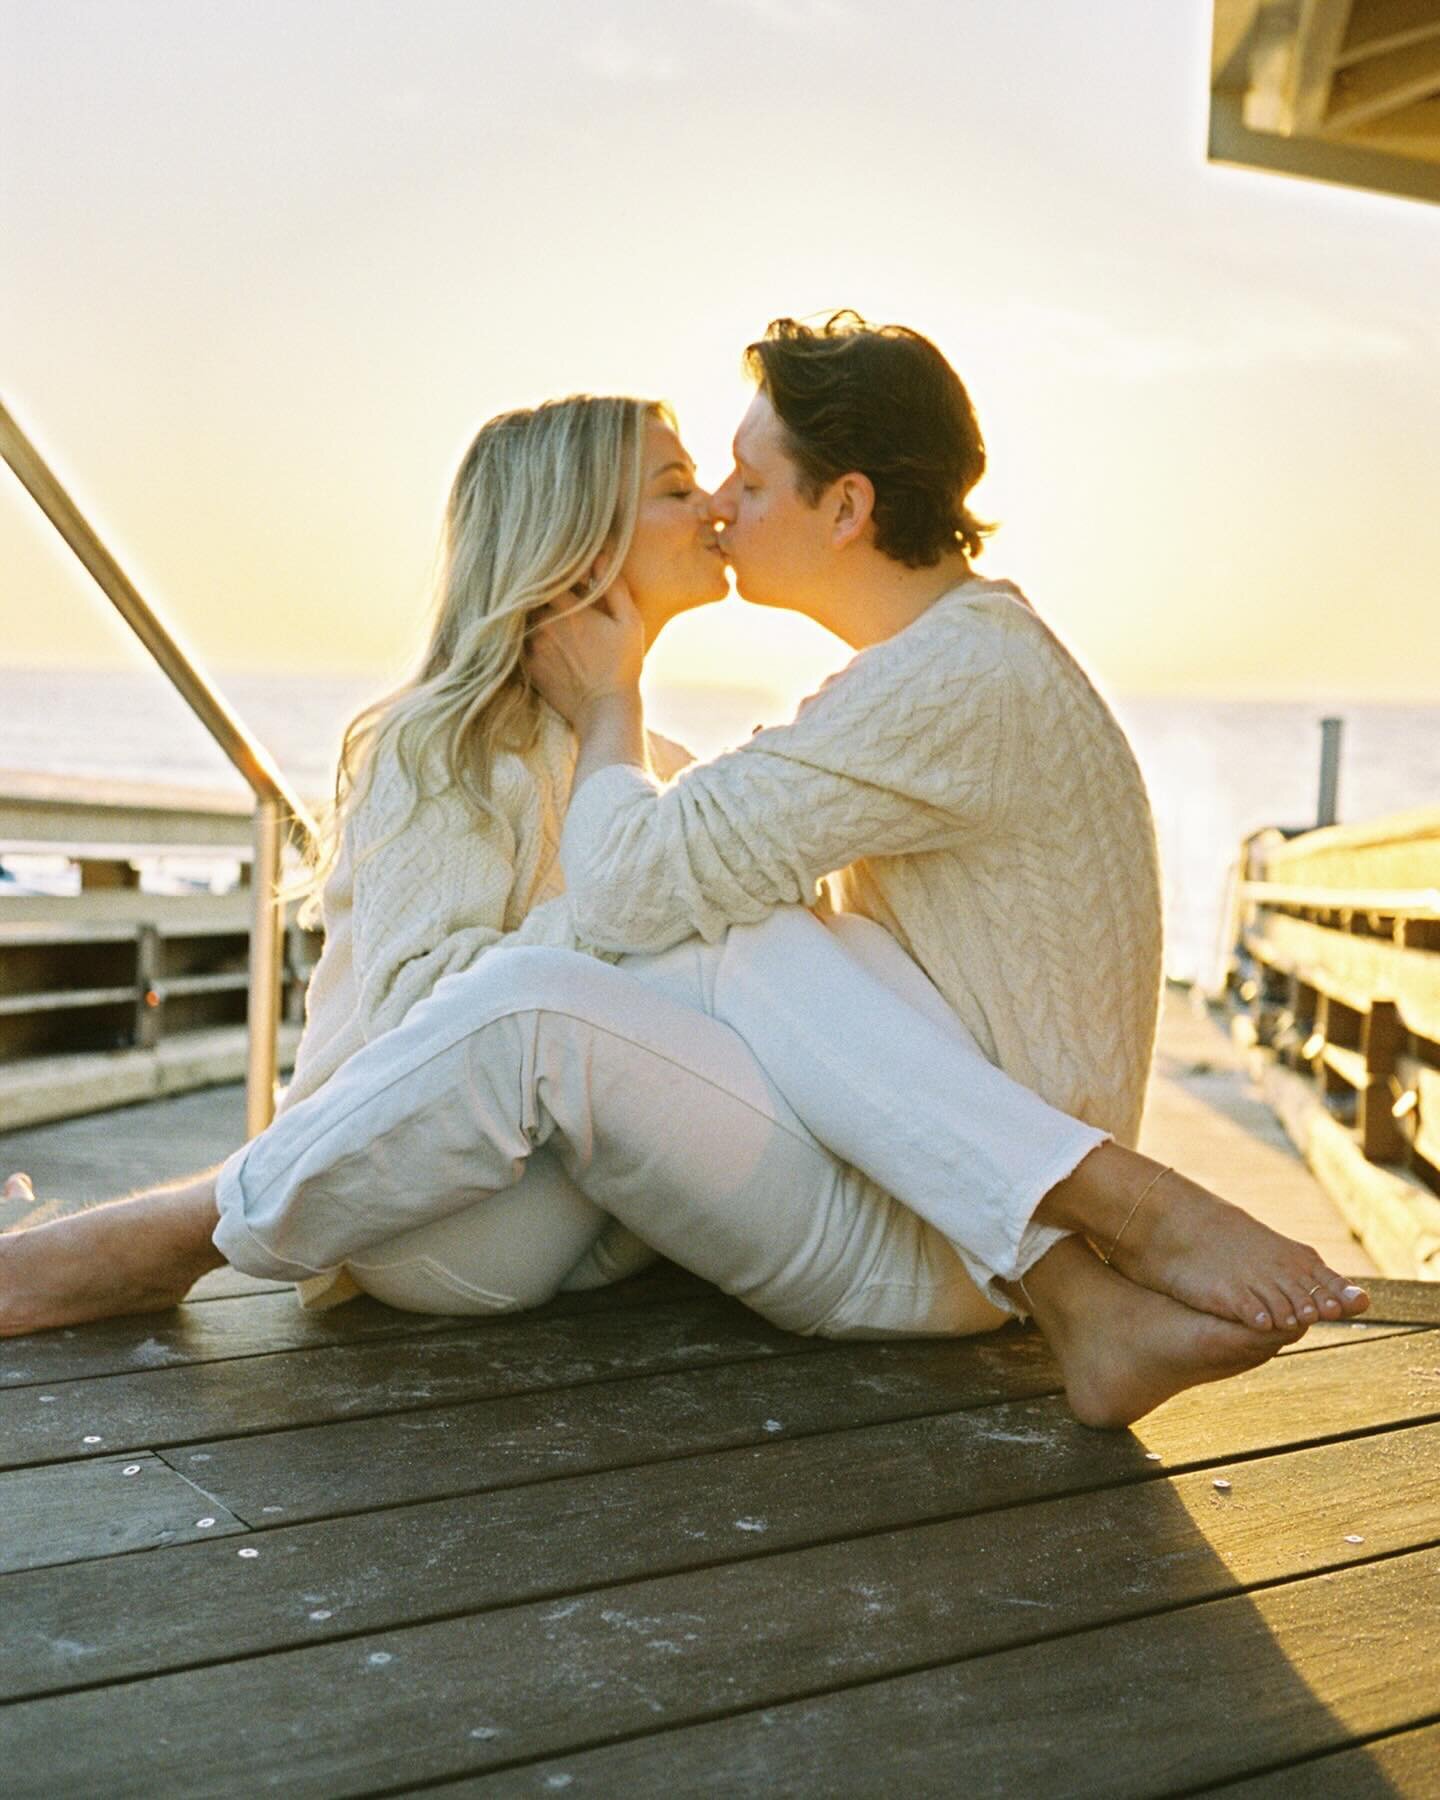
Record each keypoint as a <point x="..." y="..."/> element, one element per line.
<point x="1354" y="1298"/>
<point x="19" y="1187"/>
<point x="1258" y="1310"/>
<point x="1299" y="1302"/>
<point x="1283" y="1311"/>
<point x="1329" y="1289"/>
<point x="1338" y="1295"/>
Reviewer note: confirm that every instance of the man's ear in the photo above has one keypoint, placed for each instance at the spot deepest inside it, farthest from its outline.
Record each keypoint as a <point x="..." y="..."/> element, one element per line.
<point x="853" y="506"/>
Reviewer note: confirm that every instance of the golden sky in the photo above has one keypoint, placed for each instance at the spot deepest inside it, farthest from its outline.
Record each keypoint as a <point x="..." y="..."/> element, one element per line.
<point x="264" y="268"/>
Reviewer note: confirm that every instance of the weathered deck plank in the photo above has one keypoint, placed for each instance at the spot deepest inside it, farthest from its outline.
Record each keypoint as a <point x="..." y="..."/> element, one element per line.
<point x="1157" y="1705"/>
<point x="308" y="1387"/>
<point x="576" y="1671"/>
<point x="67" y="1511"/>
<point x="1407" y="1762"/>
<point x="320" y="1472"/>
<point x="271" y="1321"/>
<point x="1284" y="1515"/>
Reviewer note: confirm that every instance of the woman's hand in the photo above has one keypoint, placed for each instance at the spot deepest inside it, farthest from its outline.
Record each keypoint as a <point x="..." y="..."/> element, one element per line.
<point x="579" y="656"/>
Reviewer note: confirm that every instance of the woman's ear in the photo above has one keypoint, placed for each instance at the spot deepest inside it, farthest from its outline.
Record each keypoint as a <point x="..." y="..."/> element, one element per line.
<point x="854" y="507"/>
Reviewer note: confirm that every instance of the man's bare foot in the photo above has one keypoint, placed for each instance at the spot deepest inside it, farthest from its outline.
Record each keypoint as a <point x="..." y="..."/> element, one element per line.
<point x="1124" y="1350"/>
<point x="133" y="1256"/>
<point x="1186" y="1242"/>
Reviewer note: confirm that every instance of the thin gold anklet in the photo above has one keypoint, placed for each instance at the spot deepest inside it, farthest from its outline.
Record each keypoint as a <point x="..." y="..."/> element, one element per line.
<point x="1144" y="1192"/>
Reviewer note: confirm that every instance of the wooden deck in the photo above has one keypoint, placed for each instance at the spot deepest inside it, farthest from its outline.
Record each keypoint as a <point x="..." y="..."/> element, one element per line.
<point x="642" y="1543"/>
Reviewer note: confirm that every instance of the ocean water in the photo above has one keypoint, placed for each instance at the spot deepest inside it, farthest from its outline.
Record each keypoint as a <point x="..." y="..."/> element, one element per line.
<point x="1216" y="769"/>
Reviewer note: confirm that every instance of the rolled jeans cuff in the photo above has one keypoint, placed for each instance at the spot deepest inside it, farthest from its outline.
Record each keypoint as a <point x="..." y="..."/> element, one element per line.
<point x="1029" y="1241"/>
<point x="234" y="1239"/>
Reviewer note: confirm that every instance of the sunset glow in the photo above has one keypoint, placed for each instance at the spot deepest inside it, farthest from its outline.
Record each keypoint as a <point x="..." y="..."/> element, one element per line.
<point x="266" y="268"/>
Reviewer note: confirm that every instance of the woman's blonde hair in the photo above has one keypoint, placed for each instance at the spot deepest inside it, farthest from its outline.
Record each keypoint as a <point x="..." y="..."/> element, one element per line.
<point x="542" y="496"/>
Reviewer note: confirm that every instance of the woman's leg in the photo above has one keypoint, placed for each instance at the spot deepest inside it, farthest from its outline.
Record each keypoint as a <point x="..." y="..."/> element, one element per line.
<point x="870" y="1057"/>
<point x="512" y="1250"/>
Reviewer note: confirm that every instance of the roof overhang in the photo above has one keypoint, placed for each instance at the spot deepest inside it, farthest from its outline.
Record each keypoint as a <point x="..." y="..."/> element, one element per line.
<point x="1345" y="91"/>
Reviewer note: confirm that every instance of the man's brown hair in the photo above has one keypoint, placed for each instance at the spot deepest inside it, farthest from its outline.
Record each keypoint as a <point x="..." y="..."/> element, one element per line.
<point x="881" y="401"/>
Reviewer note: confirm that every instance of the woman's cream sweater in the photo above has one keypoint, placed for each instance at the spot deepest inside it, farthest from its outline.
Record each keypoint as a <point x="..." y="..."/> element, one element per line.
<point x="415" y="897"/>
<point x="963" y="784"/>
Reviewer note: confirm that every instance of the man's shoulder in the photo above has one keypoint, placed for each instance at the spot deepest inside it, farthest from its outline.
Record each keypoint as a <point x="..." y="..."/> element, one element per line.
<point x="977" y="627"/>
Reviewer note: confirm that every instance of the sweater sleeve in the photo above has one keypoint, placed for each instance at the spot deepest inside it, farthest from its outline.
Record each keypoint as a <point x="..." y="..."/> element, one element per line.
<point x="898" y="754"/>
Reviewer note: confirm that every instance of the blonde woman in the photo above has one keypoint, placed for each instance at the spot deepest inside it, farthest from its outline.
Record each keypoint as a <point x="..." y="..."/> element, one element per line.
<point x="481" y="1190"/>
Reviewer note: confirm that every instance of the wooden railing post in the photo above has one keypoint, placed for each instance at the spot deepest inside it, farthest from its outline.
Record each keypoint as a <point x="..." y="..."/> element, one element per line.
<point x="1382" y="1039"/>
<point x="147" y="998"/>
<point x="266" y="944"/>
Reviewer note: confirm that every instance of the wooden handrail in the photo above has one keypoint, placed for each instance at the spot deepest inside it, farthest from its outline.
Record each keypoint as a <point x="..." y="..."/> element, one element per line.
<point x="260" y="772"/>
<point x="277" y="806"/>
<point x="1413" y="903"/>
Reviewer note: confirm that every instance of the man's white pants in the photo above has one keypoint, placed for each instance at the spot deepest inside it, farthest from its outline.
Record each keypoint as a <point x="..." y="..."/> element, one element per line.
<point x="747" y="1108"/>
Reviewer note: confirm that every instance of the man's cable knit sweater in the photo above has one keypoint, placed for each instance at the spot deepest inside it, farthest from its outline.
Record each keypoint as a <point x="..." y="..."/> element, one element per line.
<point x="962" y="784"/>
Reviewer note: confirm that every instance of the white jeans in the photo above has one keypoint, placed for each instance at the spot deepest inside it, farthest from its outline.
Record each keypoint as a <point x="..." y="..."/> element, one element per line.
<point x="467" y="1159"/>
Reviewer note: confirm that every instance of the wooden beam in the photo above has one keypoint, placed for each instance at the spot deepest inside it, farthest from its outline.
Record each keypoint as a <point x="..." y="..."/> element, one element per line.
<point x="1320" y="33"/>
<point x="1383" y="84"/>
<point x="1380" y="25"/>
<point x="1268" y="99"/>
<point x="1414" y="131"/>
<point x="1230" y="42"/>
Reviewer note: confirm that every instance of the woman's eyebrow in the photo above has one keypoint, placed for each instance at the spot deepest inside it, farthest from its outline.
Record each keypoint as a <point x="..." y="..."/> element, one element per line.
<point x="685" y="468"/>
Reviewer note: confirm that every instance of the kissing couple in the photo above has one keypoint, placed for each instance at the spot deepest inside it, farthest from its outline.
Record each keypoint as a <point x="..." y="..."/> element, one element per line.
<point x="854" y="1020"/>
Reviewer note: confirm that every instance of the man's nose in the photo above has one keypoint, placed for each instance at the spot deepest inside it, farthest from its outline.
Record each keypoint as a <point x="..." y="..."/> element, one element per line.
<point x="722" y="503"/>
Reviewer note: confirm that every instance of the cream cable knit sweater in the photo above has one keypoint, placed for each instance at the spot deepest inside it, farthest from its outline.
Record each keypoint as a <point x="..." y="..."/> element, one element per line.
<point x="964" y="785"/>
<point x="433" y="900"/>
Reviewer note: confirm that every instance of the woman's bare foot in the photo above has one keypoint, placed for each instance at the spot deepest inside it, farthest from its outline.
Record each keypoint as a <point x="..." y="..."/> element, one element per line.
<point x="1186" y="1242"/>
<point x="132" y="1256"/>
<point x="1124" y="1350"/>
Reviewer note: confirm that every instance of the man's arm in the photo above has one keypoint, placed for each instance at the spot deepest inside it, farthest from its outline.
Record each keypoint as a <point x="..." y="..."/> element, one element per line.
<point x="900" y="754"/>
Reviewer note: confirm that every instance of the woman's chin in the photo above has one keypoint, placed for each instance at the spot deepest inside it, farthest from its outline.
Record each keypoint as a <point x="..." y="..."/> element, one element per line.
<point x="716" y="589"/>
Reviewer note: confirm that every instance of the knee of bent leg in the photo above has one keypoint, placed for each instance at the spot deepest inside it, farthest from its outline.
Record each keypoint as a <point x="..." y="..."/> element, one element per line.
<point x="530" y="976"/>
